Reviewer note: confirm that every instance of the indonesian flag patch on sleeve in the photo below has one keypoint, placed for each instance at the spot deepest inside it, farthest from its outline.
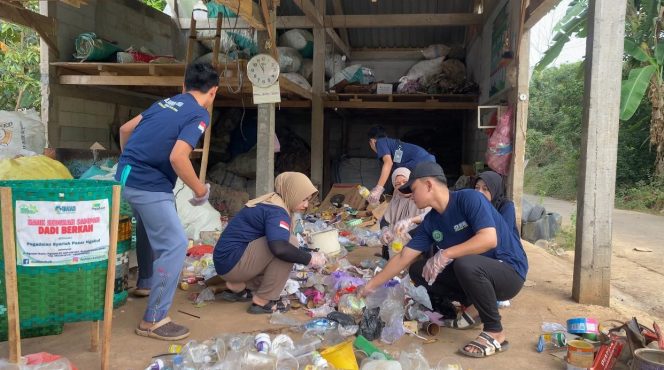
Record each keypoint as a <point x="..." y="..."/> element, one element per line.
<point x="284" y="225"/>
<point x="202" y="126"/>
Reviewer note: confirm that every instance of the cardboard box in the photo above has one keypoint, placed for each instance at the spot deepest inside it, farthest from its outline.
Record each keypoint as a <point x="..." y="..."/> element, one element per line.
<point x="384" y="89"/>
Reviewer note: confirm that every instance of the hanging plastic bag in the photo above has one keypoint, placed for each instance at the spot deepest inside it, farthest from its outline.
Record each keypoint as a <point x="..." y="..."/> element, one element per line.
<point x="499" y="148"/>
<point x="301" y="40"/>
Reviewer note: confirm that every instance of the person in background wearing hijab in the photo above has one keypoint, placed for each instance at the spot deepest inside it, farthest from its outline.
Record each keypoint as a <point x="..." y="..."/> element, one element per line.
<point x="395" y="154"/>
<point x="491" y="185"/>
<point x="254" y="254"/>
<point x="402" y="216"/>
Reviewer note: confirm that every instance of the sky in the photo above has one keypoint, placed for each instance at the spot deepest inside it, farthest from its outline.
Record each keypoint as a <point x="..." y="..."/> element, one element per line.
<point x="541" y="34"/>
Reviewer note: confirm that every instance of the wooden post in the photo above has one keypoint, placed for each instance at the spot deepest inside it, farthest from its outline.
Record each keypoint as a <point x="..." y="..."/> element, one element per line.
<point x="94" y="336"/>
<point x="110" y="279"/>
<point x="11" y="281"/>
<point x="266" y="126"/>
<point x="597" y="174"/>
<point x="521" y="126"/>
<point x="317" y="109"/>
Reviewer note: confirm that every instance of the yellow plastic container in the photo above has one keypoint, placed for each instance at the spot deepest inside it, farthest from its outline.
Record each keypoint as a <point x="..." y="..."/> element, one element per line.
<point x="341" y="356"/>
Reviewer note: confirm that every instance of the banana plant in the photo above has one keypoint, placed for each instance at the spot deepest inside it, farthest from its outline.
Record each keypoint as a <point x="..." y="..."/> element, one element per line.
<point x="643" y="62"/>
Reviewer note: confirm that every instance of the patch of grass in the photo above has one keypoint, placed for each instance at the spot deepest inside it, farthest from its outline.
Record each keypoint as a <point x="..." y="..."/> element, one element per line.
<point x="645" y="196"/>
<point x="557" y="180"/>
<point x="566" y="237"/>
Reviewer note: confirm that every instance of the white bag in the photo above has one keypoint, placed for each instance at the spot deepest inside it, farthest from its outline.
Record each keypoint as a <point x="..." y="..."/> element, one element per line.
<point x="300" y="40"/>
<point x="307" y="69"/>
<point x="435" y="51"/>
<point x="21" y="133"/>
<point x="290" y="59"/>
<point x="425" y="70"/>
<point x="334" y="63"/>
<point x="194" y="219"/>
<point x="297" y="79"/>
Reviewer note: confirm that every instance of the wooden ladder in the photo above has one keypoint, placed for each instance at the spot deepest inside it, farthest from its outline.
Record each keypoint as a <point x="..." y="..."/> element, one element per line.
<point x="193" y="38"/>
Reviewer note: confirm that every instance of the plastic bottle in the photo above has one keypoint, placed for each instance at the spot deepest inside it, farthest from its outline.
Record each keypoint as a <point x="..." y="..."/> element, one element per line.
<point x="263" y="343"/>
<point x="178" y="363"/>
<point x="363" y="191"/>
<point x="548" y="341"/>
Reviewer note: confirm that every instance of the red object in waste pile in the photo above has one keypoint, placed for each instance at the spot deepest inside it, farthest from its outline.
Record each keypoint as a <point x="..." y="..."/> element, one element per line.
<point x="608" y="354"/>
<point x="45" y="358"/>
<point x="343" y="291"/>
<point x="660" y="335"/>
<point x="200" y="250"/>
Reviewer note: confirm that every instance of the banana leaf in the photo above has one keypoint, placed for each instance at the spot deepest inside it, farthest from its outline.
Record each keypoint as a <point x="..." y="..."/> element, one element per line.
<point x="633" y="89"/>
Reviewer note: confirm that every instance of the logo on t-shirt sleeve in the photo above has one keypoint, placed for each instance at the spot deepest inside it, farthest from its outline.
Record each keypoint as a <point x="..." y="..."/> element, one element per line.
<point x="284" y="225"/>
<point x="202" y="126"/>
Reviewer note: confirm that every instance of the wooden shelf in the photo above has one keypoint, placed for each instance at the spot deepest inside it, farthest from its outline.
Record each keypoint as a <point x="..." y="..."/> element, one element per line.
<point x="401" y="101"/>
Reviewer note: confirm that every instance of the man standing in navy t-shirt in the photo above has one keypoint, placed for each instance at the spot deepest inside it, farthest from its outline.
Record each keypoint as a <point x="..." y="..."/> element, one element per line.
<point x="156" y="146"/>
<point x="394" y="154"/>
<point x="472" y="256"/>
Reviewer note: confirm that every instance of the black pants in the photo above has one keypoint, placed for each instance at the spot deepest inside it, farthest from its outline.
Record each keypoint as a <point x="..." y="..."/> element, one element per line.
<point x="477" y="280"/>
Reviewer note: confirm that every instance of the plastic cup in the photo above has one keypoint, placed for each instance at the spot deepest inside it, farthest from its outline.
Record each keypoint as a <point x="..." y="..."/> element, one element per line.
<point x="341" y="356"/>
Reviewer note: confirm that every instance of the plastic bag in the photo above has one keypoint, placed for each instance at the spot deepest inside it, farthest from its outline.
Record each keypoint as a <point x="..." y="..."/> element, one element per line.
<point x="307" y="69"/>
<point x="499" y="148"/>
<point x="226" y="42"/>
<point x="351" y="305"/>
<point x="355" y="74"/>
<point x="21" y="133"/>
<point x="341" y="318"/>
<point x="435" y="51"/>
<point x="207" y="58"/>
<point x="38" y="167"/>
<point x="334" y="63"/>
<point x="300" y="40"/>
<point x="413" y="359"/>
<point x="297" y="79"/>
<point x="419" y="294"/>
<point x="425" y="70"/>
<point x="371" y="325"/>
<point x="279" y="318"/>
<point x="290" y="59"/>
<point x="194" y="219"/>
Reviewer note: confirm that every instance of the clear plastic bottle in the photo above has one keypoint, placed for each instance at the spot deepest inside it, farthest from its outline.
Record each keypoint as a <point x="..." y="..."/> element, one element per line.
<point x="549" y="341"/>
<point x="363" y="191"/>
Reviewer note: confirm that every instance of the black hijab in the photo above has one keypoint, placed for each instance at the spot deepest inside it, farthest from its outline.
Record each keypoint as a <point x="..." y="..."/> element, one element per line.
<point x="496" y="187"/>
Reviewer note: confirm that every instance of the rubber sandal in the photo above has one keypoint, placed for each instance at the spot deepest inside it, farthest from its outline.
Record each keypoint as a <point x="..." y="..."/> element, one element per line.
<point x="164" y="330"/>
<point x="141" y="292"/>
<point x="270" y="308"/>
<point x="488" y="347"/>
<point x="464" y="322"/>
<point x="231" y="296"/>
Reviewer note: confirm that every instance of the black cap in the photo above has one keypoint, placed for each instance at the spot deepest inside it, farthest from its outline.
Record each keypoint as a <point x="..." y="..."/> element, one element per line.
<point x="424" y="169"/>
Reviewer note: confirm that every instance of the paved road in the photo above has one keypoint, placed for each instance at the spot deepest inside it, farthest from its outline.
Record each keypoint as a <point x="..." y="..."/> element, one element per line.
<point x="636" y="276"/>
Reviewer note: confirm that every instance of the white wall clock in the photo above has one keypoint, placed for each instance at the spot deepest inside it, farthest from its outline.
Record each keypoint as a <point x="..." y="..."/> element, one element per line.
<point x="263" y="70"/>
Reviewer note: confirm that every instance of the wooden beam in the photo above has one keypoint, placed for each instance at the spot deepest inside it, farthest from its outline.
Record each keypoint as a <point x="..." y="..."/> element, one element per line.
<point x="45" y="26"/>
<point x="516" y="178"/>
<point x="238" y="103"/>
<point x="122" y="80"/>
<point x="597" y="177"/>
<point x="110" y="278"/>
<point x="317" y="108"/>
<point x="210" y="23"/>
<point x="247" y="10"/>
<point x="401" y="105"/>
<point x="387" y="53"/>
<point x="537" y="9"/>
<point x="338" y="9"/>
<point x="11" y="279"/>
<point x="316" y="16"/>
<point x="288" y="85"/>
<point x="383" y="20"/>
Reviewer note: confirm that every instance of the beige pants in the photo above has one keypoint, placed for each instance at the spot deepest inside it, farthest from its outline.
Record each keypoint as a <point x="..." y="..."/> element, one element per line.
<point x="263" y="273"/>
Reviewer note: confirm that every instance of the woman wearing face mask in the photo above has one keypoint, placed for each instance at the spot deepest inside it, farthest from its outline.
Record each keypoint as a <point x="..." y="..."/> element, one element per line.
<point x="254" y="254"/>
<point x="402" y="216"/>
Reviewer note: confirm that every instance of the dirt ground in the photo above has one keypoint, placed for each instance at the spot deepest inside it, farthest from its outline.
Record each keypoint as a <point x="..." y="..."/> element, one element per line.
<point x="546" y="298"/>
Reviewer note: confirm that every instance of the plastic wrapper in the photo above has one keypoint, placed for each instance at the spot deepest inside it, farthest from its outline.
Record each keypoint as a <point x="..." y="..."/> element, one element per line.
<point x="341" y="279"/>
<point x="291" y="287"/>
<point x="282" y="343"/>
<point x="413" y="359"/>
<point x="352" y="305"/>
<point x="205" y="295"/>
<point x="341" y="318"/>
<point x="419" y="294"/>
<point x="319" y="312"/>
<point x="355" y="74"/>
<point x="392" y="312"/>
<point x="290" y="60"/>
<point x="279" y="318"/>
<point x="371" y="325"/>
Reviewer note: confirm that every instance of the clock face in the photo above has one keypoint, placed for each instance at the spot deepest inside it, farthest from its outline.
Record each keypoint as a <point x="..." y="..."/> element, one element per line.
<point x="263" y="70"/>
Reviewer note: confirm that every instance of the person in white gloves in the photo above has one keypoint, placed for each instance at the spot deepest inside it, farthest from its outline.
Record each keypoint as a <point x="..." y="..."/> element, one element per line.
<point x="402" y="216"/>
<point x="395" y="154"/>
<point x="470" y="254"/>
<point x="255" y="254"/>
<point x="156" y="146"/>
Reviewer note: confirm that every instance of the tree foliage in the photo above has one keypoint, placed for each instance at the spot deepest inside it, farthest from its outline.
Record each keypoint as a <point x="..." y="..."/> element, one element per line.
<point x="157" y="4"/>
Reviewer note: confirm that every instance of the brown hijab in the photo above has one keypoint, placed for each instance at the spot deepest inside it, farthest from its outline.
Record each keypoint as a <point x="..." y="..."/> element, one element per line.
<point x="290" y="189"/>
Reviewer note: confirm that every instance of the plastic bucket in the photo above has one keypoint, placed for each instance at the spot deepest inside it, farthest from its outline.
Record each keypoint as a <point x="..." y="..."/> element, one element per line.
<point x="341" y="356"/>
<point x="648" y="359"/>
<point x="327" y="241"/>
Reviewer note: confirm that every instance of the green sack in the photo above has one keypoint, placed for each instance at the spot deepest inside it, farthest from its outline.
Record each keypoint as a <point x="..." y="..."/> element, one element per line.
<point x="90" y="47"/>
<point x="214" y="9"/>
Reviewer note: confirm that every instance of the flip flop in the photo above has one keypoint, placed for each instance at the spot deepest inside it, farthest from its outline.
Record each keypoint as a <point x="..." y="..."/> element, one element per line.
<point x="488" y="347"/>
<point x="463" y="322"/>
<point x="231" y="296"/>
<point x="269" y="308"/>
<point x="141" y="292"/>
<point x="164" y="330"/>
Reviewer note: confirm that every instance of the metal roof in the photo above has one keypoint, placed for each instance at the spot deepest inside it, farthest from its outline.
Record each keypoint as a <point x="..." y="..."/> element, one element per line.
<point x="405" y="37"/>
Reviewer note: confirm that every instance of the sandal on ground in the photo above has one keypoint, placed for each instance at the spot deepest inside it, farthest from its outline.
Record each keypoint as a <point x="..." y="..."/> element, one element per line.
<point x="164" y="330"/>
<point x="231" y="296"/>
<point x="141" y="292"/>
<point x="270" y="307"/>
<point x="487" y="346"/>
<point x="463" y="322"/>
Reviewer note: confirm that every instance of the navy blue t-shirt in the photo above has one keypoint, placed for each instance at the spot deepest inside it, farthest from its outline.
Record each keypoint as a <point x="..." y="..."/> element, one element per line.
<point x="509" y="215"/>
<point x="149" y="147"/>
<point x="249" y="224"/>
<point x="411" y="156"/>
<point x="467" y="212"/>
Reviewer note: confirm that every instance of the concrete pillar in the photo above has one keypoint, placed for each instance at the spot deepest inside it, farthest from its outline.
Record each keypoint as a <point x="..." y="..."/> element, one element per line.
<point x="597" y="175"/>
<point x="317" y="111"/>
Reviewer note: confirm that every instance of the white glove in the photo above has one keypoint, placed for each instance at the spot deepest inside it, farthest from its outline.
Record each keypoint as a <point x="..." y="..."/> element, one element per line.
<point x="404" y="226"/>
<point x="374" y="196"/>
<point x="318" y="260"/>
<point x="199" y="201"/>
<point x="434" y="266"/>
<point x="386" y="236"/>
